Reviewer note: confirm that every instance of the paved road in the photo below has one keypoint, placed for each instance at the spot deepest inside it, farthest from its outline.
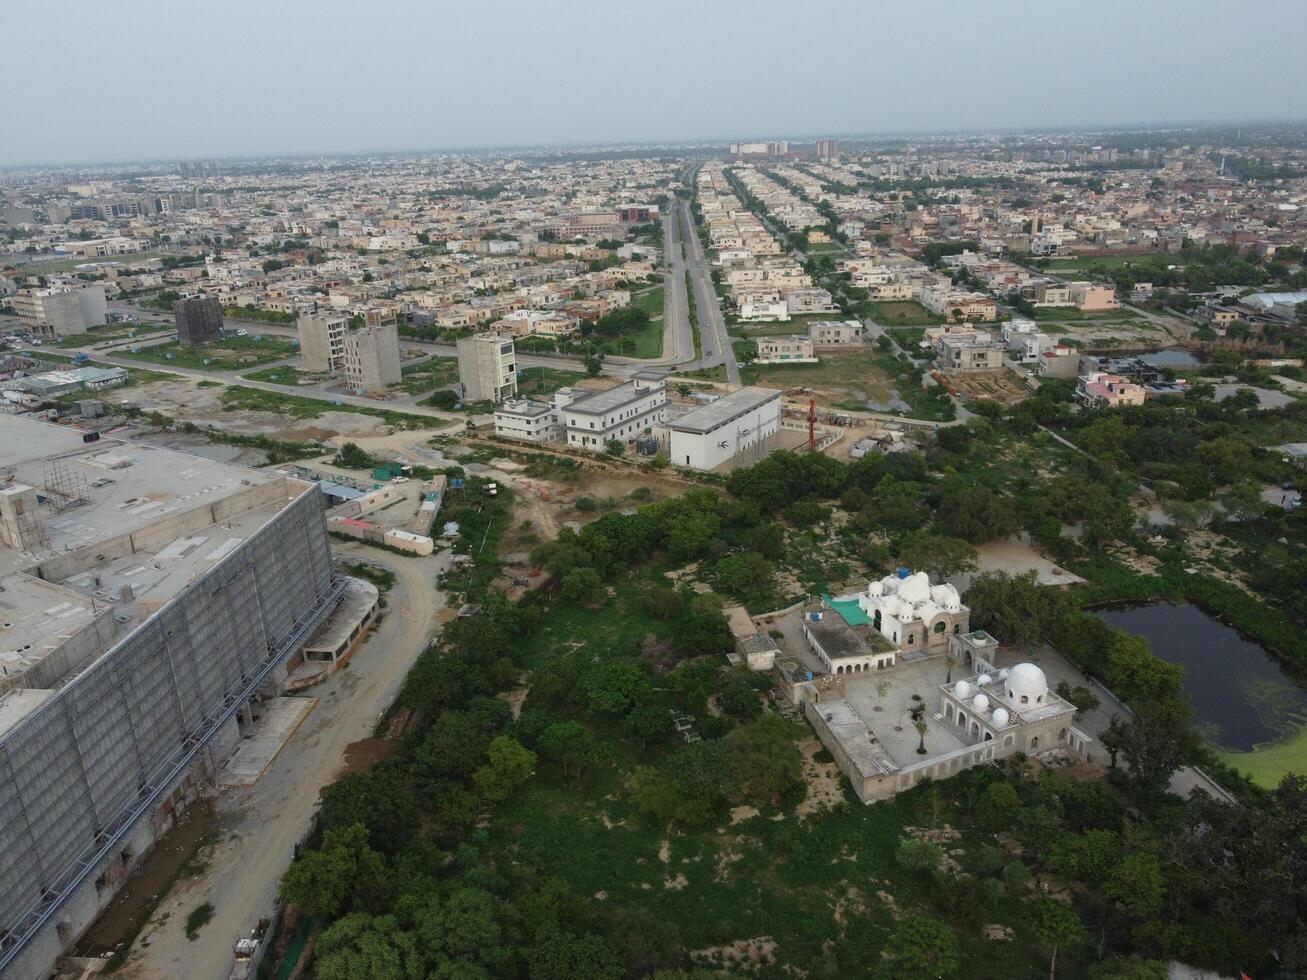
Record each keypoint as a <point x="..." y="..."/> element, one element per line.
<point x="261" y="824"/>
<point x="712" y="325"/>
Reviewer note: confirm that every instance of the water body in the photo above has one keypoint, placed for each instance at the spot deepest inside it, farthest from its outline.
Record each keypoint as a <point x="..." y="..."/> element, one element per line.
<point x="1170" y="358"/>
<point x="1242" y="697"/>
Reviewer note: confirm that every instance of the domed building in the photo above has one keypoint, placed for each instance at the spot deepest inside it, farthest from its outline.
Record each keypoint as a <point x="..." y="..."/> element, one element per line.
<point x="912" y="614"/>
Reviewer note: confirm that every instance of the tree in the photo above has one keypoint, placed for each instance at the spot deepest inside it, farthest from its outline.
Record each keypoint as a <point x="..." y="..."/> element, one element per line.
<point x="920" y="948"/>
<point x="997" y="807"/>
<point x="1138" y="884"/>
<point x="614" y="447"/>
<point x="584" y="587"/>
<point x="918" y="856"/>
<point x="1081" y="697"/>
<point x="351" y="457"/>
<point x="556" y="955"/>
<point x="510" y="765"/>
<point x="345" y="874"/>
<point x="922" y="728"/>
<point x="744" y="575"/>
<point x="570" y="745"/>
<point x="1015" y="608"/>
<point x="1158" y="741"/>
<point x="764" y="760"/>
<point x="936" y="554"/>
<point x="1057" y="926"/>
<point x="614" y="687"/>
<point x="362" y="945"/>
<point x="593" y="364"/>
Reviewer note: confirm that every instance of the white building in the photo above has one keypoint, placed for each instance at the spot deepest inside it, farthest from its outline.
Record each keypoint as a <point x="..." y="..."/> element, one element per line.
<point x="528" y="420"/>
<point x="912" y="614"/>
<point x="739" y="428"/>
<point x="623" y="412"/>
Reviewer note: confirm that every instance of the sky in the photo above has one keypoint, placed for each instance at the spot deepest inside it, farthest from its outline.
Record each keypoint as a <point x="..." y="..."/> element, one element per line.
<point x="131" y="80"/>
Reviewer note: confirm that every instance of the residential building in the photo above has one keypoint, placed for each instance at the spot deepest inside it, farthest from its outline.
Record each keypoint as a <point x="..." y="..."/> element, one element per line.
<point x="1110" y="390"/>
<point x="834" y="333"/>
<point x="61" y="311"/>
<point x="1093" y="297"/>
<point x="785" y="350"/>
<point x="371" y="361"/>
<point x="322" y="341"/>
<point x="965" y="349"/>
<point x="487" y="367"/>
<point x="622" y="412"/>
<point x="737" y="429"/>
<point x="199" y="320"/>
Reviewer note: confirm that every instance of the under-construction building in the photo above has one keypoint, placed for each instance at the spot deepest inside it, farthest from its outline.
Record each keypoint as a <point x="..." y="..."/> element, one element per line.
<point x="147" y="599"/>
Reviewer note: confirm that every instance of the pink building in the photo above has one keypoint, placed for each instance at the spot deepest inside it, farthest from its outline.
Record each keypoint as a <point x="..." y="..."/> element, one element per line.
<point x="1112" y="390"/>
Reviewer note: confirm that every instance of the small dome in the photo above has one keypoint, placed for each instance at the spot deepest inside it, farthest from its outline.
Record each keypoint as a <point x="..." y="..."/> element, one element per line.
<point x="915" y="588"/>
<point x="1000" y="716"/>
<point x="980" y="702"/>
<point x="1002" y="674"/>
<point x="875" y="589"/>
<point x="962" y="689"/>
<point x="1026" y="681"/>
<point x="984" y="679"/>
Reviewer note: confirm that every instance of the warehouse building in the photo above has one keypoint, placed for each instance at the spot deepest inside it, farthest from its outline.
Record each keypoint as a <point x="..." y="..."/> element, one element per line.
<point x="735" y="430"/>
<point x="149" y="599"/>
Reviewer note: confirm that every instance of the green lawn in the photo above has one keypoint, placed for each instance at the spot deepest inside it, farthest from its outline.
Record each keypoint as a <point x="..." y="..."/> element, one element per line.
<point x="284" y="375"/>
<point x="223" y="355"/>
<point x="823" y="247"/>
<point x="645" y="343"/>
<point x="541" y="382"/>
<point x="1082" y="264"/>
<point x="132" y="261"/>
<point x="1066" y="313"/>
<point x="649" y="300"/>
<point x="903" y="313"/>
<point x="110" y="331"/>
<point x="240" y="398"/>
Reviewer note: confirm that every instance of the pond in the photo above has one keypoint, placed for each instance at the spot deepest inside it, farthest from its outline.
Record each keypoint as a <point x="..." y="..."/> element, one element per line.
<point x="1243" y="700"/>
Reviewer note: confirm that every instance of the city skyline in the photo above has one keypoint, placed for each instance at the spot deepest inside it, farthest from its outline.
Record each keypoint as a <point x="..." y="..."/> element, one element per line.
<point x="450" y="82"/>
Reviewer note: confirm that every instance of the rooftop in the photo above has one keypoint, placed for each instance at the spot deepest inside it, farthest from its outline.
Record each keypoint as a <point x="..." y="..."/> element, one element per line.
<point x="608" y="400"/>
<point x="725" y="409"/>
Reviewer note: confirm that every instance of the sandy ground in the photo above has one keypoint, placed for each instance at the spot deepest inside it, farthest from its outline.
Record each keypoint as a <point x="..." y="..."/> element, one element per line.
<point x="260" y="825"/>
<point x="1015" y="558"/>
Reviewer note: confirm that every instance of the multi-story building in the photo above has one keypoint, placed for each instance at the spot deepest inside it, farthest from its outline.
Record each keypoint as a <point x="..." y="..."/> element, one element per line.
<point x="835" y="333"/>
<point x="785" y="350"/>
<point x="736" y="430"/>
<point x="371" y="361"/>
<point x="322" y="340"/>
<point x="199" y="320"/>
<point x="1092" y="296"/>
<point x="487" y="367"/>
<point x="152" y="600"/>
<point x="1098" y="388"/>
<point x="965" y="349"/>
<point x="532" y="421"/>
<point x="60" y="311"/>
<point x="622" y="412"/>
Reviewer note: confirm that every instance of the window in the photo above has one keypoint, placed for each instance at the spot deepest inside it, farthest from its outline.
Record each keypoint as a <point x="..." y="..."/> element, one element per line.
<point x="940" y="627"/>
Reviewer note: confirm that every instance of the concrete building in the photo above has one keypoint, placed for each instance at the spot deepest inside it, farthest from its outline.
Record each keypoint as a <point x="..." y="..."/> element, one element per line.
<point x="199" y="320"/>
<point x="60" y="311"/>
<point x="964" y="349"/>
<point x="371" y="361"/>
<point x="1100" y="389"/>
<point x="528" y="420"/>
<point x="785" y="350"/>
<point x="622" y="412"/>
<point x="322" y="341"/>
<point x="1093" y="297"/>
<point x="487" y="367"/>
<point x="150" y="600"/>
<point x="835" y="333"/>
<point x="737" y="429"/>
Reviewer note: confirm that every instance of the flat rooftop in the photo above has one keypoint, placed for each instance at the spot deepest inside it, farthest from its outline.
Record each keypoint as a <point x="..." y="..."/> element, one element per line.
<point x="610" y="399"/>
<point x="724" y="410"/>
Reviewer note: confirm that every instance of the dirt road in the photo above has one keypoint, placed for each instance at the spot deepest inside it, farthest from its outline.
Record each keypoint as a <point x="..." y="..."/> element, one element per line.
<point x="260" y="825"/>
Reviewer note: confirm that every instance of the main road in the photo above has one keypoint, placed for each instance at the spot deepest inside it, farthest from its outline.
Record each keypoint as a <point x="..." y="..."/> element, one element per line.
<point x="712" y="325"/>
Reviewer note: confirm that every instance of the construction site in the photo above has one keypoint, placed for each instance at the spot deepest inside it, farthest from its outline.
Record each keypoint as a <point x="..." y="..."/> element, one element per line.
<point x="150" y="602"/>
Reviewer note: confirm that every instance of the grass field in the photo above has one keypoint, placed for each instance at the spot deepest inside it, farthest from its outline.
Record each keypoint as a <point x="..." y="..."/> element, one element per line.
<point x="240" y="398"/>
<point x="1267" y="764"/>
<point x="645" y="343"/>
<point x="541" y="382"/>
<point x="821" y="247"/>
<point x="110" y="331"/>
<point x="131" y="261"/>
<point x="284" y="375"/>
<point x="649" y="300"/>
<point x="1104" y="262"/>
<point x="426" y="376"/>
<point x="1069" y="313"/>
<point x="905" y="313"/>
<point x="222" y="355"/>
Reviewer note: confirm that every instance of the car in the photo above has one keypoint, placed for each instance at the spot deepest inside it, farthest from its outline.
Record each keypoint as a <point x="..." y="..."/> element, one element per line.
<point x="400" y="479"/>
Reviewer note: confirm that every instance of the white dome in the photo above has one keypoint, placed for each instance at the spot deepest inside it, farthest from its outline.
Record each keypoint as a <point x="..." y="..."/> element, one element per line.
<point x="875" y="589"/>
<point x="1028" y="681"/>
<point x="984" y="679"/>
<point x="980" y="703"/>
<point x="915" y="588"/>
<point x="962" y="689"/>
<point x="1002" y="674"/>
<point x="1000" y="716"/>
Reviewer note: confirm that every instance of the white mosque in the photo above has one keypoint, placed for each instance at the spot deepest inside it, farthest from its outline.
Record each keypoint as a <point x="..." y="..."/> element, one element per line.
<point x="914" y="615"/>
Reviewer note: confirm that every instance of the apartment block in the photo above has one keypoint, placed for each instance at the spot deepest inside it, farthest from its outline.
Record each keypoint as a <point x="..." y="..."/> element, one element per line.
<point x="487" y="367"/>
<point x="322" y="341"/>
<point x="60" y="311"/>
<point x="371" y="360"/>
<point x="199" y="320"/>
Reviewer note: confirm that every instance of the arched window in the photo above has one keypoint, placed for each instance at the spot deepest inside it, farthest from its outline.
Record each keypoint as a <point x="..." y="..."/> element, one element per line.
<point x="1034" y="742"/>
<point x="940" y="627"/>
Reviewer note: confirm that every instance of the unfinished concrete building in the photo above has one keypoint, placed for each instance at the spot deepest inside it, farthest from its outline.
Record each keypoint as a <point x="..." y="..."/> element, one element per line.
<point x="149" y="597"/>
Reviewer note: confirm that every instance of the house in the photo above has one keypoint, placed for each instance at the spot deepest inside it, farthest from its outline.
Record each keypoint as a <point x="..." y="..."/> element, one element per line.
<point x="785" y="350"/>
<point x="1111" y="390"/>
<point x="1092" y="297"/>
<point x="965" y="349"/>
<point x="834" y="333"/>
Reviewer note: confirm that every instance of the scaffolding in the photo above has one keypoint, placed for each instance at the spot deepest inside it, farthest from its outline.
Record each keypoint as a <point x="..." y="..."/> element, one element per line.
<point x="65" y="488"/>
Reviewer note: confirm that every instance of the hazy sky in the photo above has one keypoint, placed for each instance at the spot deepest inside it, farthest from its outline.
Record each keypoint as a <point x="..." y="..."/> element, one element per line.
<point x="91" y="80"/>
